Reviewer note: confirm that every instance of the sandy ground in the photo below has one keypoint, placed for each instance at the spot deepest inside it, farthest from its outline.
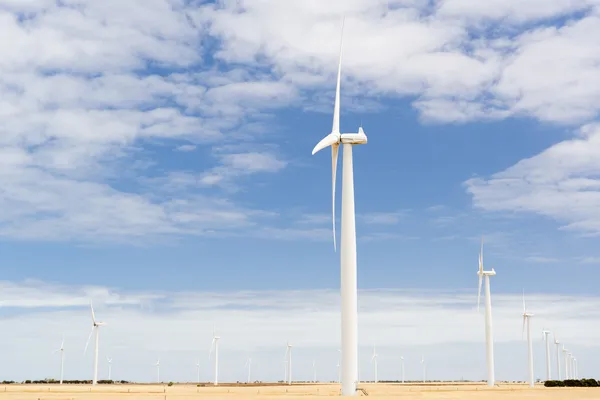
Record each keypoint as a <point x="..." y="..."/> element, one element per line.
<point x="382" y="391"/>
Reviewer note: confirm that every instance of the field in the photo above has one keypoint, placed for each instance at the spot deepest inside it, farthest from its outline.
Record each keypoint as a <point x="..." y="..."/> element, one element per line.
<point x="447" y="391"/>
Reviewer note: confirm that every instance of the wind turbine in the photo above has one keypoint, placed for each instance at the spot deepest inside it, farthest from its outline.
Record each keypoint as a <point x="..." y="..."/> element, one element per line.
<point x="565" y="351"/>
<point x="157" y="365"/>
<point x="95" y="329"/>
<point x="198" y="370"/>
<point x="575" y="373"/>
<point x="489" y="335"/>
<point x="374" y="361"/>
<point x="62" y="358"/>
<point x="288" y="354"/>
<point x="348" y="237"/>
<point x="314" y="372"/>
<point x="215" y="345"/>
<point x="556" y="343"/>
<point x="526" y="319"/>
<point x="571" y="372"/>
<point x="248" y="364"/>
<point x="424" y="370"/>
<point x="546" y="333"/>
<point x="402" y="364"/>
<point x="109" y="360"/>
<point x="338" y="368"/>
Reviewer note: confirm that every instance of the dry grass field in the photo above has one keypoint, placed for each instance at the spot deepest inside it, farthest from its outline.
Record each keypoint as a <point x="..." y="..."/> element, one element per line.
<point x="383" y="391"/>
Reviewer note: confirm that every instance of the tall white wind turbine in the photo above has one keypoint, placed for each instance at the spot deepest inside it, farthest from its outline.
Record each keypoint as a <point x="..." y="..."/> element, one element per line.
<point x="288" y="355"/>
<point x="95" y="330"/>
<point x="565" y="351"/>
<point x="571" y="372"/>
<point x="526" y="319"/>
<point x="314" y="372"/>
<point x="157" y="365"/>
<point x="348" y="237"/>
<point x="556" y="343"/>
<point x="402" y="365"/>
<point x="338" y="367"/>
<point x="547" y="341"/>
<point x="62" y="358"/>
<point x="489" y="335"/>
<point x="215" y="345"/>
<point x="198" y="370"/>
<point x="374" y="361"/>
<point x="248" y="364"/>
<point x="424" y="369"/>
<point x="109" y="361"/>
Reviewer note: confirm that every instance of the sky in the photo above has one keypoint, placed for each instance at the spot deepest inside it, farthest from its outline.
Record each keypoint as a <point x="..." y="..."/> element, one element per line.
<point x="155" y="158"/>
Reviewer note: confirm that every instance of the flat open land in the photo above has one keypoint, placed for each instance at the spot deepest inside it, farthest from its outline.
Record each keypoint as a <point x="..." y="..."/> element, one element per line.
<point x="446" y="391"/>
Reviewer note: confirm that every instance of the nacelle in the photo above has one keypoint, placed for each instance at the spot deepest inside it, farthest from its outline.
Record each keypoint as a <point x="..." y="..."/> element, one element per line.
<point x="354" y="138"/>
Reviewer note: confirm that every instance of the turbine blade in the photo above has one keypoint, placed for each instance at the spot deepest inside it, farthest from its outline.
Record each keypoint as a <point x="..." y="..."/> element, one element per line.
<point x="334" y="159"/>
<point x="336" y="108"/>
<point x="523" y="330"/>
<point x="329" y="140"/>
<point x="211" y="348"/>
<point x="93" y="315"/>
<point x="479" y="292"/>
<point x="88" y="341"/>
<point x="524" y="308"/>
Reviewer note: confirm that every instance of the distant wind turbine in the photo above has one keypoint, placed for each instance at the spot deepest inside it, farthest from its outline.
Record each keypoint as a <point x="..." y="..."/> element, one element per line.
<point x="198" y="370"/>
<point x="489" y="335"/>
<point x="215" y="345"/>
<point x="526" y="320"/>
<point x="62" y="358"/>
<point x="288" y="354"/>
<point x="314" y="372"/>
<point x="157" y="365"/>
<point x="95" y="329"/>
<point x="109" y="361"/>
<point x="348" y="237"/>
<point x="424" y="369"/>
<point x="374" y="361"/>
<point x="338" y="368"/>
<point x="402" y="365"/>
<point x="249" y="365"/>
<point x="565" y="351"/>
<point x="571" y="371"/>
<point x="547" y="341"/>
<point x="556" y="343"/>
<point x="575" y="373"/>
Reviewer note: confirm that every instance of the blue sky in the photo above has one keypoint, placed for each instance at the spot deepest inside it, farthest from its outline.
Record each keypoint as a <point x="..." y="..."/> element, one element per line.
<point x="160" y="151"/>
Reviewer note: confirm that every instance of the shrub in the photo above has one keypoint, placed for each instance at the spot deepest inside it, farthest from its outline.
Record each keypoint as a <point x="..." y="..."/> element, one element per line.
<point x="170" y="384"/>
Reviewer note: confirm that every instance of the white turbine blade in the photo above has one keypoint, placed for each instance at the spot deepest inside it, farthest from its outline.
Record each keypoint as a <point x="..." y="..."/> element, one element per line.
<point x="62" y="344"/>
<point x="479" y="292"/>
<point x="211" y="348"/>
<point x="88" y="341"/>
<point x="336" y="108"/>
<point x="93" y="315"/>
<point x="524" y="308"/>
<point x="329" y="140"/>
<point x="523" y="330"/>
<point x="334" y="159"/>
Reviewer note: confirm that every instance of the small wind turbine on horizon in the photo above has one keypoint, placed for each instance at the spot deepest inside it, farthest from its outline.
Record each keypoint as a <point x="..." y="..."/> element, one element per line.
<point x="338" y="367"/>
<point x="374" y="361"/>
<point x="314" y="372"/>
<point x="349" y="306"/>
<point x="402" y="365"/>
<point x="565" y="351"/>
<point x="249" y="365"/>
<point x="526" y="320"/>
<point x="198" y="370"/>
<point x="288" y="355"/>
<point x="95" y="329"/>
<point x="215" y="345"/>
<point x="556" y="343"/>
<point x="424" y="369"/>
<point x="547" y="342"/>
<point x="489" y="335"/>
<point x="62" y="358"/>
<point x="109" y="361"/>
<point x="157" y="365"/>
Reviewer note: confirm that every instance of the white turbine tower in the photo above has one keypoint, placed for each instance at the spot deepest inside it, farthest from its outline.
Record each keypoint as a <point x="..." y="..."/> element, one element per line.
<point x="338" y="367"/>
<point x="248" y="364"/>
<point x="198" y="370"/>
<point x="109" y="361"/>
<point x="62" y="358"/>
<point x="314" y="372"/>
<point x="556" y="343"/>
<point x="348" y="238"/>
<point x="288" y="355"/>
<point x="571" y="371"/>
<point x="374" y="361"/>
<point x="489" y="335"/>
<point x="547" y="341"/>
<point x="157" y="365"/>
<point x="95" y="329"/>
<point x="215" y="345"/>
<point x="402" y="365"/>
<point x="526" y="319"/>
<point x="565" y="351"/>
<point x="424" y="369"/>
<point x="575" y="373"/>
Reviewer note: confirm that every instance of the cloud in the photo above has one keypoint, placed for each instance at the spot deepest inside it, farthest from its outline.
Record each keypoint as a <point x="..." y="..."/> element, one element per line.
<point x="307" y="318"/>
<point x="186" y="148"/>
<point x="542" y="260"/>
<point x="559" y="183"/>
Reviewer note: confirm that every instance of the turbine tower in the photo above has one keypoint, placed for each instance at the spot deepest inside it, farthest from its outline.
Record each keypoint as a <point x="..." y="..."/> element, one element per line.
<point x="314" y="372"/>
<point x="95" y="329"/>
<point x="248" y="364"/>
<point x="288" y="355"/>
<point x="402" y="365"/>
<point x="338" y="367"/>
<point x="556" y="343"/>
<point x="424" y="369"/>
<point x="62" y="358"/>
<point x="374" y="361"/>
<point x="215" y="345"/>
<point x="489" y="335"/>
<point x="109" y="360"/>
<point x="348" y="238"/>
<point x="198" y="370"/>
<point x="546" y="334"/>
<point x="526" y="319"/>
<point x="565" y="351"/>
<point x="157" y="365"/>
<point x="575" y="373"/>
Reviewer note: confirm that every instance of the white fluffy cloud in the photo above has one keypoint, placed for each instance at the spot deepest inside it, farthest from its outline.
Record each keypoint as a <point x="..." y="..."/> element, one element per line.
<point x="177" y="327"/>
<point x="560" y="182"/>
